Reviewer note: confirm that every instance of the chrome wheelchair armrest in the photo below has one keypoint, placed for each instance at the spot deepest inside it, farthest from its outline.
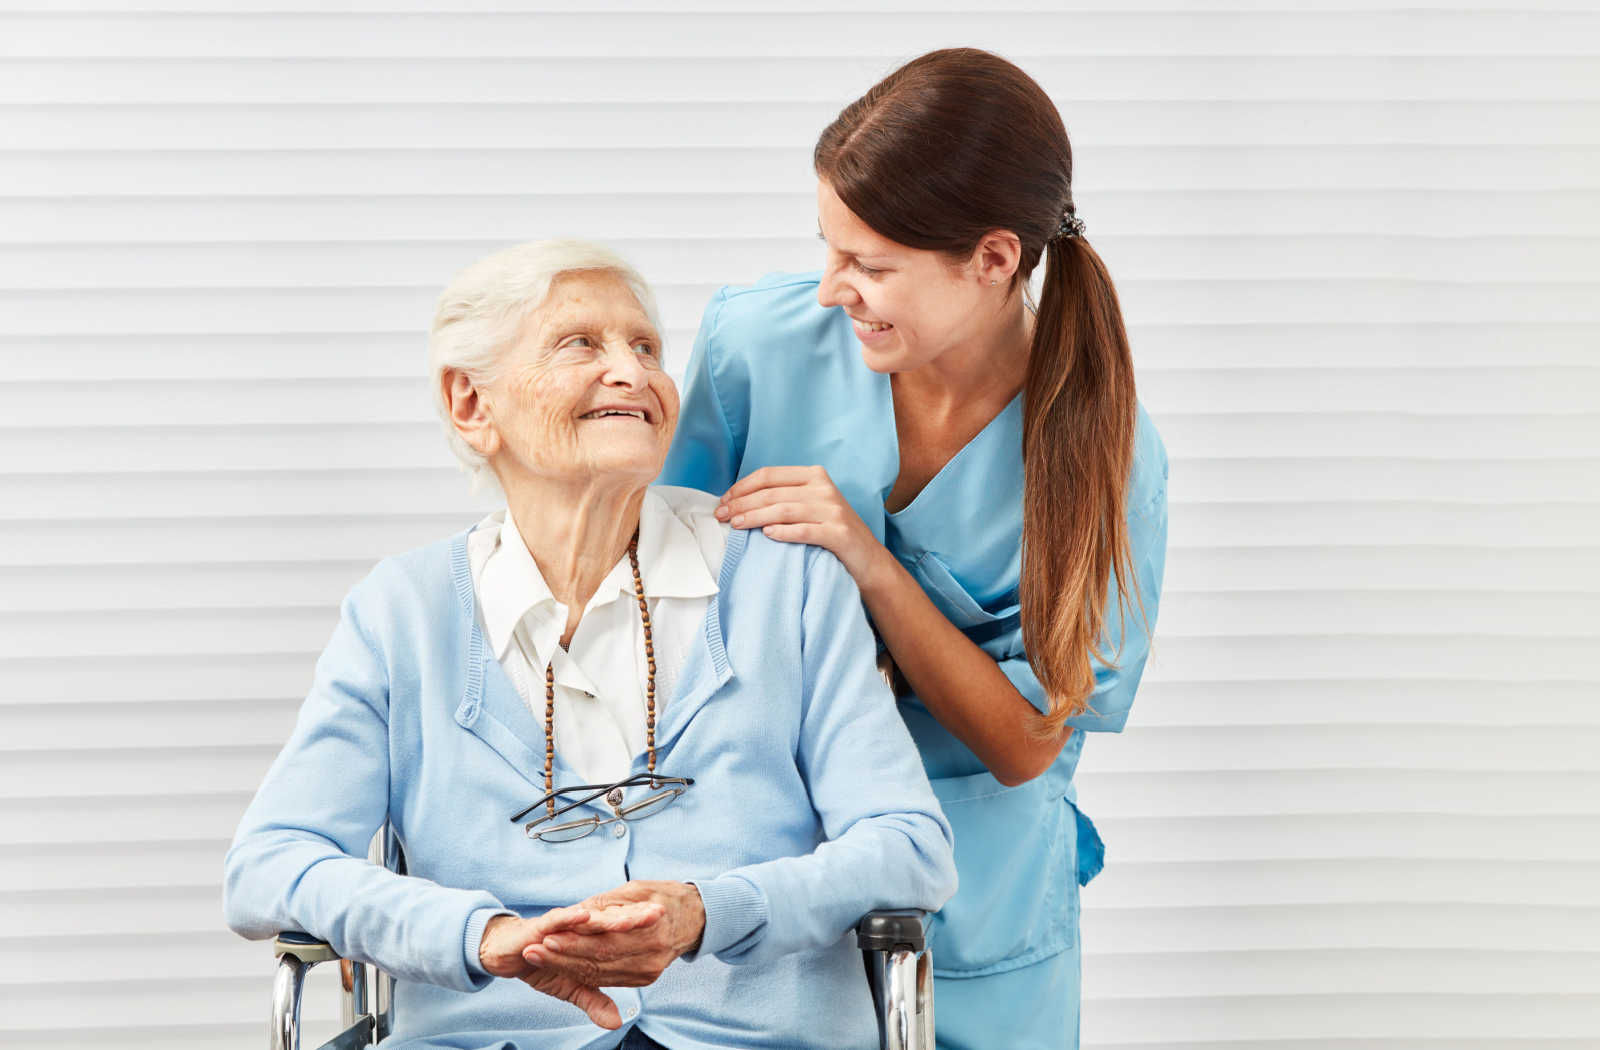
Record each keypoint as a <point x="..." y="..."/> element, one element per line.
<point x="297" y="953"/>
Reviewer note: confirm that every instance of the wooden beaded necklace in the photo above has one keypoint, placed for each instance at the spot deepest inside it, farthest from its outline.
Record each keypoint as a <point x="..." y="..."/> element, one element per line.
<point x="649" y="687"/>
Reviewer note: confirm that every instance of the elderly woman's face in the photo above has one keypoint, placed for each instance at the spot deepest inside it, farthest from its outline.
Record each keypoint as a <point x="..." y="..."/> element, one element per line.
<point x="582" y="393"/>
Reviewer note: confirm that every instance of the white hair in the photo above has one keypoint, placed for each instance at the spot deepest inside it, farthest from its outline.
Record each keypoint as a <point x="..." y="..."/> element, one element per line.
<point x="480" y="312"/>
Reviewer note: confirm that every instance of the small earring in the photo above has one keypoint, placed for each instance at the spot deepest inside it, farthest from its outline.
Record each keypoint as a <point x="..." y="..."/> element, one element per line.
<point x="993" y="283"/>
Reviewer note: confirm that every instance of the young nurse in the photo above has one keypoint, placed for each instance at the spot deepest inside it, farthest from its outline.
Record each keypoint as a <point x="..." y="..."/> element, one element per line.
<point x="983" y="470"/>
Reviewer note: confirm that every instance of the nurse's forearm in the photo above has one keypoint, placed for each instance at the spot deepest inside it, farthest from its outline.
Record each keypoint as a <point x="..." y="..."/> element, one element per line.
<point x="958" y="682"/>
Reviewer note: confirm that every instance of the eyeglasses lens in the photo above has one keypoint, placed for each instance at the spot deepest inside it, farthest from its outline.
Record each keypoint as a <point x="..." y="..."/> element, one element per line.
<point x="567" y="832"/>
<point x="648" y="807"/>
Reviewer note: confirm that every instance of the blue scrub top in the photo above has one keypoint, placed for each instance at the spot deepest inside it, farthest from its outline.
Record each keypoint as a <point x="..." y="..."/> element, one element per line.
<point x="776" y="379"/>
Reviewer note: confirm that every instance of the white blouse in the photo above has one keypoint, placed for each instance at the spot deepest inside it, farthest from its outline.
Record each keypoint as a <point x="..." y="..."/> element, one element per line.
<point x="600" y="678"/>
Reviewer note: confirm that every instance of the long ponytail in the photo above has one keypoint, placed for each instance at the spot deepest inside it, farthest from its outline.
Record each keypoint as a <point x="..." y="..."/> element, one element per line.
<point x="946" y="149"/>
<point x="1078" y="419"/>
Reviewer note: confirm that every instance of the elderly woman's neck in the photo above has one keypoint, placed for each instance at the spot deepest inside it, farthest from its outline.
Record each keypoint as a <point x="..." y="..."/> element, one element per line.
<point x="576" y="537"/>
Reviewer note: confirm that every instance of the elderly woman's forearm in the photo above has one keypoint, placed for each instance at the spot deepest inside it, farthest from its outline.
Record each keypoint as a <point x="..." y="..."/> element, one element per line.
<point x="286" y="880"/>
<point x="757" y="913"/>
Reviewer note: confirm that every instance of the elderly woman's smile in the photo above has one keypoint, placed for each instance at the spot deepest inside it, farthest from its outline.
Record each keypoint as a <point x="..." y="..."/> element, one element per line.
<point x="618" y="412"/>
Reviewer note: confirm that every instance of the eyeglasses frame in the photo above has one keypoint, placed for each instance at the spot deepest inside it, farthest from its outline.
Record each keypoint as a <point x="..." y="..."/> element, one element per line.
<point x="655" y="780"/>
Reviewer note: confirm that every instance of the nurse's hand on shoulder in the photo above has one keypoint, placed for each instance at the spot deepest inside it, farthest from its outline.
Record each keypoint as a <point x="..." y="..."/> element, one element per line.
<point x="802" y="505"/>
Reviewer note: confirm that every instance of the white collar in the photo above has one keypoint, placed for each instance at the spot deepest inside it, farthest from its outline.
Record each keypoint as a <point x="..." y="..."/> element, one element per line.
<point x="672" y="564"/>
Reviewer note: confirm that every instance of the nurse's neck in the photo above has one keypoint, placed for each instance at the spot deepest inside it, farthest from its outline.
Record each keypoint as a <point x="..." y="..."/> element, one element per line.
<point x="987" y="370"/>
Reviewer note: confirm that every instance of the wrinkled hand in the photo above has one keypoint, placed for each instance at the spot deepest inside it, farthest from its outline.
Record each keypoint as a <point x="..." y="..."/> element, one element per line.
<point x="802" y="505"/>
<point x="504" y="939"/>
<point x="624" y="957"/>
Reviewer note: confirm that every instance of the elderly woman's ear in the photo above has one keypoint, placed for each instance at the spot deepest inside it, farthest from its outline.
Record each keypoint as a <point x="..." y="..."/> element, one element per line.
<point x="467" y="412"/>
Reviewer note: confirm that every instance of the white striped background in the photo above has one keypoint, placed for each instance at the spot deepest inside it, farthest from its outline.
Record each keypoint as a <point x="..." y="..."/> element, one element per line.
<point x="1358" y="804"/>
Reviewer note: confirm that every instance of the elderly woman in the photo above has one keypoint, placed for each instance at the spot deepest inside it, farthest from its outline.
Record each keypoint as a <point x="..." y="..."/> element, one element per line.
<point x="518" y="699"/>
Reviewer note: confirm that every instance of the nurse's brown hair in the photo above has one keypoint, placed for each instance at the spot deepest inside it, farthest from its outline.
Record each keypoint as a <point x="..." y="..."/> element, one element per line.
<point x="952" y="146"/>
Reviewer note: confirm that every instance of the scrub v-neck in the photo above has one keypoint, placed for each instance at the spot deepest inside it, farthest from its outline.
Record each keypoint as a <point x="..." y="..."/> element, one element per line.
<point x="968" y="516"/>
<point x="950" y="466"/>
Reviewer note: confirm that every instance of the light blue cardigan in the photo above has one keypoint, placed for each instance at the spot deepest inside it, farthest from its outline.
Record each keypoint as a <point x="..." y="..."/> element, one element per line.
<point x="810" y="808"/>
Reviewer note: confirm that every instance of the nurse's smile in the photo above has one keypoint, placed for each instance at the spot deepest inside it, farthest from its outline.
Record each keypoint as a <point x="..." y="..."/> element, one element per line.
<point x="872" y="333"/>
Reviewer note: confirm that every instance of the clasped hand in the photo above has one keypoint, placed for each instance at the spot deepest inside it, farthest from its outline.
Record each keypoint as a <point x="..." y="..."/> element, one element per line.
<point x="623" y="938"/>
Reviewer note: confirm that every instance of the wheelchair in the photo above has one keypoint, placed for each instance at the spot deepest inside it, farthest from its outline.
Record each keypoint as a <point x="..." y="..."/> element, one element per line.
<point x="899" y="970"/>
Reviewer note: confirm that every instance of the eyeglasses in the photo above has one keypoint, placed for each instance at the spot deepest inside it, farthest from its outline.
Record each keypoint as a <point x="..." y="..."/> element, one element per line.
<point x="548" y="827"/>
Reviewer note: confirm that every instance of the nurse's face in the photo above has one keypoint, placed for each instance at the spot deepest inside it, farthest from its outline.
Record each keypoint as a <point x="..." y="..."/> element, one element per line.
<point x="909" y="306"/>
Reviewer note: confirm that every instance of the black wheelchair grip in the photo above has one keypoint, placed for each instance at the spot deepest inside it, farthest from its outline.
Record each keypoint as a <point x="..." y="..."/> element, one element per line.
<point x="886" y="930"/>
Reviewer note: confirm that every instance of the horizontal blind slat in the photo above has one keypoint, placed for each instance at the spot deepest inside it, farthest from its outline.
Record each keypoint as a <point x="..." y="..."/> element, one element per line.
<point x="1290" y="394"/>
<point x="164" y="220"/>
<point x="1564" y="578"/>
<point x="397" y="353"/>
<point x="498" y="76"/>
<point x="775" y="34"/>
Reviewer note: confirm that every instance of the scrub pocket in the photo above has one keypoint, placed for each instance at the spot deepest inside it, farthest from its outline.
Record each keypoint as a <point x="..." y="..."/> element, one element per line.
<point x="957" y="606"/>
<point x="1016" y="852"/>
